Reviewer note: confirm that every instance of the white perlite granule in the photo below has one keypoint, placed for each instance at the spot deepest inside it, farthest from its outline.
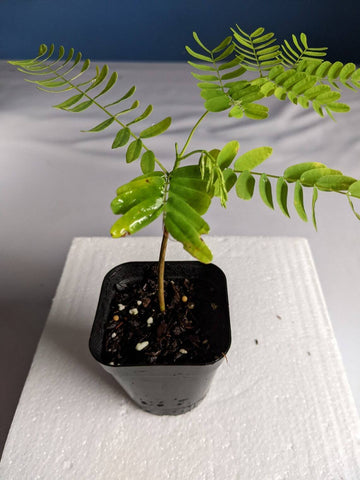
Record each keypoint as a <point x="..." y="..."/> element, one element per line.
<point x="141" y="345"/>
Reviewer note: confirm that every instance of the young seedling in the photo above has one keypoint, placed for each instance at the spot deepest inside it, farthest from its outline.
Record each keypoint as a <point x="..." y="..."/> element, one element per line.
<point x="233" y="77"/>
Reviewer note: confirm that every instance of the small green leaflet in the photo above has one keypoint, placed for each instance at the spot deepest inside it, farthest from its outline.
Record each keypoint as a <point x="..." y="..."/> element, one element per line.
<point x="147" y="162"/>
<point x="217" y="104"/>
<point x="257" y="32"/>
<point x="50" y="82"/>
<point x="265" y="191"/>
<point x="109" y="85"/>
<point x="245" y="185"/>
<point x="199" y="56"/>
<point x="231" y="64"/>
<point x="225" y="53"/>
<point x="354" y="189"/>
<point x="156" y="129"/>
<point x="293" y="173"/>
<point x="335" y="70"/>
<point x="211" y="93"/>
<point x="81" y="106"/>
<point x="202" y="66"/>
<point x="255" y="111"/>
<point x="99" y="78"/>
<point x="252" y="158"/>
<point x="133" y="151"/>
<point x="223" y="44"/>
<point x="199" y="42"/>
<point x="338" y="107"/>
<point x="207" y="85"/>
<point x="329" y="97"/>
<point x="313" y="203"/>
<point x="137" y="217"/>
<point x="335" y="182"/>
<point x="310" y="177"/>
<point x="128" y="94"/>
<point x="134" y="105"/>
<point x="227" y="154"/>
<point x="264" y="38"/>
<point x="281" y="195"/>
<point x="236" y="112"/>
<point x="204" y="78"/>
<point x="229" y="179"/>
<point x="299" y="201"/>
<point x="69" y="102"/>
<point x="101" y="126"/>
<point x="234" y="74"/>
<point x="144" y="115"/>
<point x="122" y="137"/>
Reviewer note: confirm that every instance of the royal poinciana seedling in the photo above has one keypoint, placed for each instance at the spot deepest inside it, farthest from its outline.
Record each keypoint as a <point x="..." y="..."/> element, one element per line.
<point x="241" y="71"/>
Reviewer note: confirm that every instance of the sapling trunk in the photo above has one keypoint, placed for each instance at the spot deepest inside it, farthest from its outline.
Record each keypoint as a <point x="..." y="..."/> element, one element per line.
<point x="162" y="270"/>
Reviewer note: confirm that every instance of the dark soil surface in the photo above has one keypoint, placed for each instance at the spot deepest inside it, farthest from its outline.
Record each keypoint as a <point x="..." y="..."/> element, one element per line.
<point x="137" y="333"/>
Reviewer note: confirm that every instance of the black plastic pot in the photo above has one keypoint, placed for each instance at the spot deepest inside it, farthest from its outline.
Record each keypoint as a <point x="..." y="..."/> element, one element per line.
<point x="167" y="389"/>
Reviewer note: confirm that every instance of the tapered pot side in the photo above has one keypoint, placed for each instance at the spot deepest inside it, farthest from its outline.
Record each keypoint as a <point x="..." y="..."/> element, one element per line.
<point x="167" y="389"/>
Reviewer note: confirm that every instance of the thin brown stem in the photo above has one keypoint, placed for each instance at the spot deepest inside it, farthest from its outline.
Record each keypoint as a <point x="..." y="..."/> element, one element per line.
<point x="162" y="270"/>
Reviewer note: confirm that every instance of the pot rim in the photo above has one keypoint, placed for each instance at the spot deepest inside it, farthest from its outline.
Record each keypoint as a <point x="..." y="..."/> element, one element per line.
<point x="108" y="283"/>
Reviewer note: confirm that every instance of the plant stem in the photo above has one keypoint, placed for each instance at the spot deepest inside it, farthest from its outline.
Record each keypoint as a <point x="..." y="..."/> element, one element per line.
<point x="191" y="134"/>
<point x="162" y="270"/>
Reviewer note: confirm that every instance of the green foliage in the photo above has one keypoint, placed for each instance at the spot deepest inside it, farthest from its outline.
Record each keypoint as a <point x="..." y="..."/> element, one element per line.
<point x="65" y="75"/>
<point x="220" y="94"/>
<point x="139" y="202"/>
<point x="182" y="198"/>
<point x="289" y="71"/>
<point x="258" y="51"/>
<point x="241" y="71"/>
<point x="313" y="175"/>
<point x="188" y="199"/>
<point x="293" y="54"/>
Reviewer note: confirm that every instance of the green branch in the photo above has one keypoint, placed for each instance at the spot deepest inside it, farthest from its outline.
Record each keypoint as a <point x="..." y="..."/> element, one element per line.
<point x="107" y="112"/>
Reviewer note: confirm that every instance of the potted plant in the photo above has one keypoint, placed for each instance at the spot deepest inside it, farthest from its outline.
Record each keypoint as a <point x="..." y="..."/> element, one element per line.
<point x="162" y="328"/>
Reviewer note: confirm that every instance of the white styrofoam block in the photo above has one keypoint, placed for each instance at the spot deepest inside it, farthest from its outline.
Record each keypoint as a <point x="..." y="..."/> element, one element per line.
<point x="280" y="409"/>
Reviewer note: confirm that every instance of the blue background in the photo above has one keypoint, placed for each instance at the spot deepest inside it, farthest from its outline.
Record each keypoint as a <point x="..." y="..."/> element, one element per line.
<point x="159" y="29"/>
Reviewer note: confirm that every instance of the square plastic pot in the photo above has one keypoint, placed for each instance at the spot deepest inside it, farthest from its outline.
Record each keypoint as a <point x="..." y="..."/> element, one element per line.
<point x="164" y="389"/>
